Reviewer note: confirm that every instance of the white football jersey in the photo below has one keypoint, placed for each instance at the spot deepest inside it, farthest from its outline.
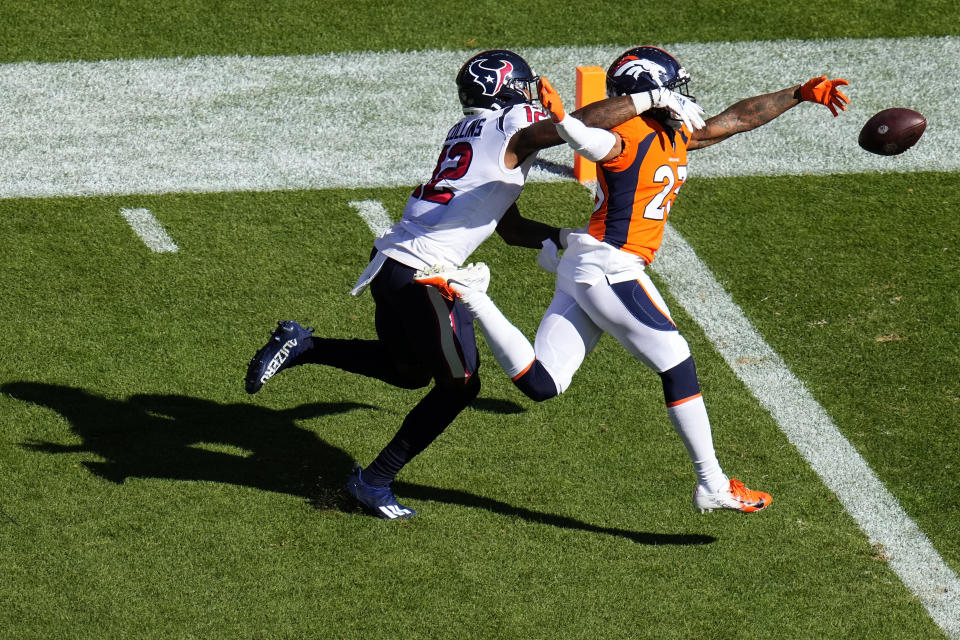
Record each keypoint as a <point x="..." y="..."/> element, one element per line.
<point x="449" y="216"/>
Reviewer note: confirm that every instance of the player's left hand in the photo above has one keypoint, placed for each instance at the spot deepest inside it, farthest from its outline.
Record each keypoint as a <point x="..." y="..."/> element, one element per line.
<point x="825" y="92"/>
<point x="549" y="256"/>
<point x="550" y="99"/>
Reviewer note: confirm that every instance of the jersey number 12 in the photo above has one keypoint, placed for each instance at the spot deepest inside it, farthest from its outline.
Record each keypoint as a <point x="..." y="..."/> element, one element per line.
<point x="461" y="154"/>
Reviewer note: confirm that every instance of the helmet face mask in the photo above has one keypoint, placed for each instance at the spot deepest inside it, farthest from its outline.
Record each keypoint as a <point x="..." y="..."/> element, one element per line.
<point x="495" y="79"/>
<point x="644" y="69"/>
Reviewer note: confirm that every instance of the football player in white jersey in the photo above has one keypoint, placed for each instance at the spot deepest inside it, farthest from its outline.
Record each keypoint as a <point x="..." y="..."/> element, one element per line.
<point x="424" y="333"/>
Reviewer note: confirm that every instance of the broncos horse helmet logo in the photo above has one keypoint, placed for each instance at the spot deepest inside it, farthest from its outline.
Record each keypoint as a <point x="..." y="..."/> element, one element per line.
<point x="635" y="67"/>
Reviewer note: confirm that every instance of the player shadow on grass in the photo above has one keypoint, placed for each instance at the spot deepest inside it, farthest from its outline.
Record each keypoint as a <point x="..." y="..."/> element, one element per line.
<point x="179" y="437"/>
<point x="453" y="496"/>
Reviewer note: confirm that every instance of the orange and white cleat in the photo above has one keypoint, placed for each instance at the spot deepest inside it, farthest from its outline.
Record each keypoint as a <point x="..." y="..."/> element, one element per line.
<point x="736" y="497"/>
<point x="453" y="282"/>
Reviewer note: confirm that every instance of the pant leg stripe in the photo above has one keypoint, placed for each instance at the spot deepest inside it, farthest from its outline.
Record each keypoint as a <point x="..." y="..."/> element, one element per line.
<point x="677" y="403"/>
<point x="446" y="334"/>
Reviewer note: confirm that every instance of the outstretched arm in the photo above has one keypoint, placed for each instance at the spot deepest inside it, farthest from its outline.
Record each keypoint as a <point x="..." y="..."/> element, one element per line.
<point x="604" y="114"/>
<point x="586" y="130"/>
<point x="751" y="113"/>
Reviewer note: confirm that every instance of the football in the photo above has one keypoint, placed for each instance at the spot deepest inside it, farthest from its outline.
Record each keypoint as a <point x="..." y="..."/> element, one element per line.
<point x="892" y="131"/>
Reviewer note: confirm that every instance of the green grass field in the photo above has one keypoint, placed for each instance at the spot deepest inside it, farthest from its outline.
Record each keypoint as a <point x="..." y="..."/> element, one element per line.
<point x="144" y="494"/>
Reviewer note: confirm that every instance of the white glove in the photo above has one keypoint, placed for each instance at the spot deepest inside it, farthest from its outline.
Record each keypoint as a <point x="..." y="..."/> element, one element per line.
<point x="549" y="256"/>
<point x="682" y="107"/>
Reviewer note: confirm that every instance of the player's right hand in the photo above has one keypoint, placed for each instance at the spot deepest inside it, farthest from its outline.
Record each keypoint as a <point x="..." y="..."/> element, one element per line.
<point x="682" y="107"/>
<point x="550" y="99"/>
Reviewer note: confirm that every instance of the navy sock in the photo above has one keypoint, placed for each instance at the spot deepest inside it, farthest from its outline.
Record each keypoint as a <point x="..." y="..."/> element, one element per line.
<point x="387" y="465"/>
<point x="536" y="383"/>
<point x="422" y="426"/>
<point x="680" y="383"/>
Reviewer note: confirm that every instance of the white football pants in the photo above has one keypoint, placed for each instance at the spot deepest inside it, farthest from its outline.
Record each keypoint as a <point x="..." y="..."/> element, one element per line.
<point x="580" y="313"/>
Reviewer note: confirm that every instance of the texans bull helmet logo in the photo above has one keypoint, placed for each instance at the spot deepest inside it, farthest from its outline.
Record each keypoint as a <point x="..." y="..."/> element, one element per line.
<point x="490" y="74"/>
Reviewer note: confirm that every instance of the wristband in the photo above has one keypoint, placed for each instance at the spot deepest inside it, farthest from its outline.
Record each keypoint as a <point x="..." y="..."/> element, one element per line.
<point x="591" y="143"/>
<point x="642" y="101"/>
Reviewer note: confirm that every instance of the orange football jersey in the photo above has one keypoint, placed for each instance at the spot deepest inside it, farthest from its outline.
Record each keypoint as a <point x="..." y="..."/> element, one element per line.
<point x="636" y="189"/>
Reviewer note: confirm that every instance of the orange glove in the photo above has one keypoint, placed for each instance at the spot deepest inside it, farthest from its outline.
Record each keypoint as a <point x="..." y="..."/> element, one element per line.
<point x="825" y="92"/>
<point x="550" y="100"/>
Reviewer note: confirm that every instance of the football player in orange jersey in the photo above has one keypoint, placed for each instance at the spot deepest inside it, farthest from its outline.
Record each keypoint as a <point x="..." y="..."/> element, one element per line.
<point x="602" y="285"/>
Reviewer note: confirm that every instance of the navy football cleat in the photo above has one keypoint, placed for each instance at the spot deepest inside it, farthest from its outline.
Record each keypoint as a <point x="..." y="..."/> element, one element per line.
<point x="286" y="342"/>
<point x="379" y="500"/>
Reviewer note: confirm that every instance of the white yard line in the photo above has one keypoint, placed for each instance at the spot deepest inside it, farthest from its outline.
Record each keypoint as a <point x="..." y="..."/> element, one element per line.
<point x="374" y="214"/>
<point x="377" y="118"/>
<point x="812" y="432"/>
<point x="148" y="228"/>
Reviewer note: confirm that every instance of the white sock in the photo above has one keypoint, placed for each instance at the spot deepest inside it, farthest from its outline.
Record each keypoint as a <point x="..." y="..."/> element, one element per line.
<point x="510" y="347"/>
<point x="692" y="424"/>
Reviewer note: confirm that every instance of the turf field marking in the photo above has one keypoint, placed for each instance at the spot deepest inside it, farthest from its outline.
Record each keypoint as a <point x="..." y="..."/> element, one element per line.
<point x="248" y="123"/>
<point x="149" y="230"/>
<point x="232" y="124"/>
<point x="806" y="424"/>
<point x="809" y="428"/>
<point x="374" y="214"/>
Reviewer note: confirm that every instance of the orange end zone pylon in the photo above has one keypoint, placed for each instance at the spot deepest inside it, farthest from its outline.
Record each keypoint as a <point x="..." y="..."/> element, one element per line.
<point x="591" y="87"/>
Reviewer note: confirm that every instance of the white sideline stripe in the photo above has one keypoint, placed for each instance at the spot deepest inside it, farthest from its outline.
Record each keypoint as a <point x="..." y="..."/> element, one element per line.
<point x="806" y="424"/>
<point x="377" y="119"/>
<point x="374" y="214"/>
<point x="149" y="230"/>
